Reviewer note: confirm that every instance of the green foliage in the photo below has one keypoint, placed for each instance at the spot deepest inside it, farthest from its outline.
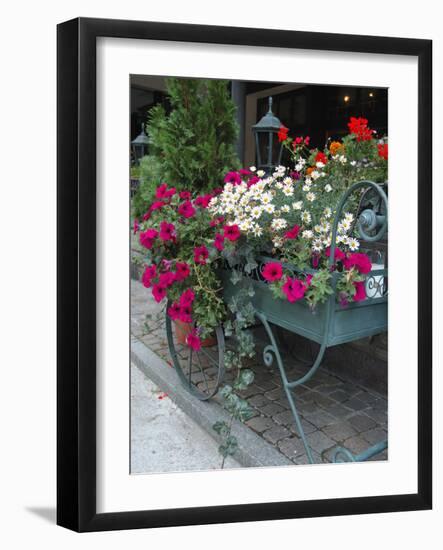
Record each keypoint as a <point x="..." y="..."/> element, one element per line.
<point x="193" y="146"/>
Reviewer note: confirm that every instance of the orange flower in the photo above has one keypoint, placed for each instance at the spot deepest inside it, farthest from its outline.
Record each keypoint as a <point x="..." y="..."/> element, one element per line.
<point x="309" y="170"/>
<point x="335" y="147"/>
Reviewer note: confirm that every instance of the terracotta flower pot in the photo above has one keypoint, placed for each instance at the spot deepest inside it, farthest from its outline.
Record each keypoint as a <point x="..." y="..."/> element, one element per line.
<point x="183" y="329"/>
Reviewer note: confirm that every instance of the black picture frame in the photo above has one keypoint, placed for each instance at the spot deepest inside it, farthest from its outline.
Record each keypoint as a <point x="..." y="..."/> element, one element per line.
<point x="76" y="264"/>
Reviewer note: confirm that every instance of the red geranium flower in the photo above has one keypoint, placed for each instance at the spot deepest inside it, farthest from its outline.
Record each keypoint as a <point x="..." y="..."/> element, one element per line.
<point x="273" y="271"/>
<point x="186" y="209"/>
<point x="201" y="254"/>
<point x="283" y="133"/>
<point x="293" y="233"/>
<point x="148" y="237"/>
<point x="231" y="232"/>
<point x="321" y="157"/>
<point x="359" y="127"/>
<point x="167" y="231"/>
<point x="294" y="289"/>
<point x="219" y="242"/>
<point x="383" y="150"/>
<point x="186" y="195"/>
<point x="182" y="271"/>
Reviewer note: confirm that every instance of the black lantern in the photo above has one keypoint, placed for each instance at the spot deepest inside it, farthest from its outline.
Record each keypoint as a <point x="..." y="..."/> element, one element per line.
<point x="140" y="145"/>
<point x="268" y="148"/>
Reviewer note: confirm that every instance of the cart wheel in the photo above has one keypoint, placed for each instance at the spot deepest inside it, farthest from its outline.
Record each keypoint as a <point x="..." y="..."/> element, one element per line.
<point x="202" y="371"/>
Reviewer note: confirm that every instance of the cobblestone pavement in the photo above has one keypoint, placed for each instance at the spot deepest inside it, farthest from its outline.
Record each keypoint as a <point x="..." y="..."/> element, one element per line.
<point x="334" y="411"/>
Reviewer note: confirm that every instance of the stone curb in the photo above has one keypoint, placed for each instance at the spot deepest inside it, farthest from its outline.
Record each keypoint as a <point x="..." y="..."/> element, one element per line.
<point x="253" y="451"/>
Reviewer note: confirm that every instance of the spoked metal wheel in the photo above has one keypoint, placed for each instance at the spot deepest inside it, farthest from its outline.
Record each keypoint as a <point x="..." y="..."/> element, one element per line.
<point x="202" y="371"/>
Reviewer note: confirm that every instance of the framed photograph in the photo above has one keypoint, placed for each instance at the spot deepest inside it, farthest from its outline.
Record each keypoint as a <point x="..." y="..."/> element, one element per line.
<point x="244" y="274"/>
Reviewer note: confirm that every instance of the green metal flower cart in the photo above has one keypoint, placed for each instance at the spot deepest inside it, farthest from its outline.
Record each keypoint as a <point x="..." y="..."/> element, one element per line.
<point x="331" y="324"/>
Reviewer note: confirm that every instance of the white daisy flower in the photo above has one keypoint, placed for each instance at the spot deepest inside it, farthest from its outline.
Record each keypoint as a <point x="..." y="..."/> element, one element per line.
<point x="279" y="223"/>
<point x="327" y="212"/>
<point x="257" y="231"/>
<point x="353" y="244"/>
<point x="285" y="208"/>
<point x="341" y="238"/>
<point x="310" y="197"/>
<point x="256" y="212"/>
<point x="306" y="187"/>
<point x="349" y="216"/>
<point x="328" y="188"/>
<point x="306" y="216"/>
<point x="288" y="190"/>
<point x="315" y="175"/>
<point x="345" y="224"/>
<point x="317" y="228"/>
<point x="279" y="185"/>
<point x="297" y="205"/>
<point x="325" y="227"/>
<point x="307" y="234"/>
<point x="317" y="245"/>
<point x="260" y="173"/>
<point x="319" y="164"/>
<point x="353" y="162"/>
<point x="252" y="168"/>
<point x="266" y="198"/>
<point x="287" y="181"/>
<point x="269" y="208"/>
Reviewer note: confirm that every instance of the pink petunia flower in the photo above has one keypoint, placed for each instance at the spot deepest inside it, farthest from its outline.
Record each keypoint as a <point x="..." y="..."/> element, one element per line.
<point x="187" y="297"/>
<point x="166" y="279"/>
<point x="272" y="271"/>
<point x="339" y="255"/>
<point x="252" y="181"/>
<point x="167" y="231"/>
<point x="231" y="232"/>
<point x="216" y="221"/>
<point x="360" y="291"/>
<point x="293" y="233"/>
<point x="185" y="195"/>
<point x="174" y="311"/>
<point x="233" y="177"/>
<point x="185" y="314"/>
<point x="157" y="205"/>
<point x="182" y="271"/>
<point x="163" y="192"/>
<point x="219" y="242"/>
<point x="201" y="254"/>
<point x="159" y="292"/>
<point x="146" y="216"/>
<point x="193" y="340"/>
<point x="148" y="237"/>
<point x="244" y="172"/>
<point x="294" y="289"/>
<point x="148" y="274"/>
<point x="186" y="209"/>
<point x="360" y="261"/>
<point x="203" y="200"/>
